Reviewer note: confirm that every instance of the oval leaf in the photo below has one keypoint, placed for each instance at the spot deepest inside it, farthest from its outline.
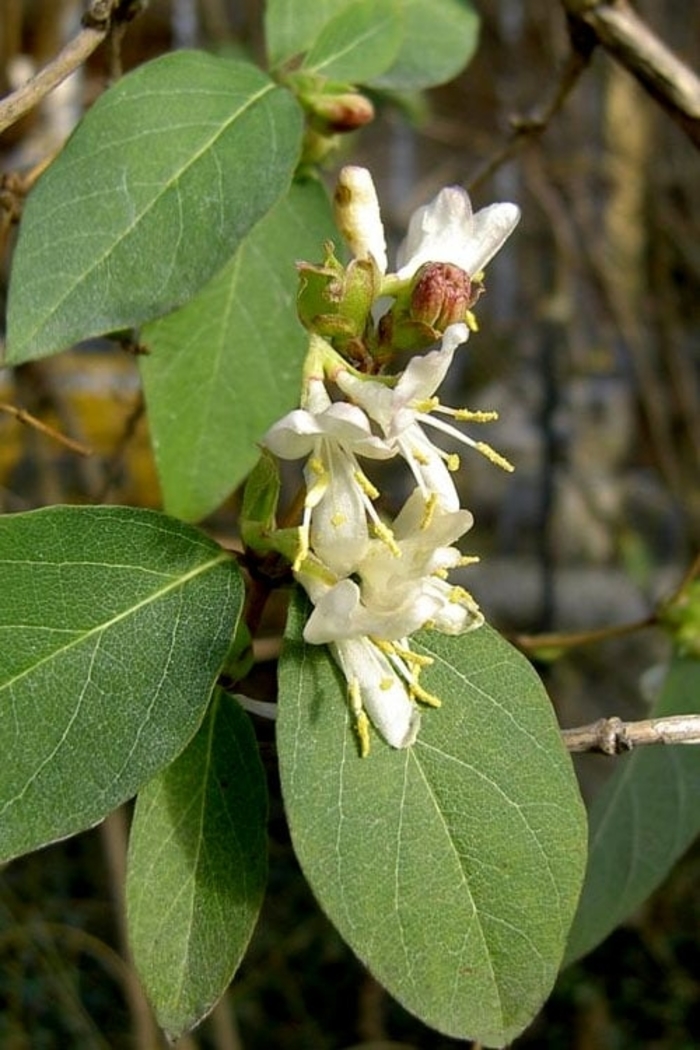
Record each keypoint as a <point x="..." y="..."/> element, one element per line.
<point x="291" y="26"/>
<point x="643" y="820"/>
<point x="452" y="868"/>
<point x="197" y="868"/>
<point x="113" y="626"/>
<point x="223" y="368"/>
<point x="359" y="43"/>
<point x="439" y="39"/>
<point x="151" y="195"/>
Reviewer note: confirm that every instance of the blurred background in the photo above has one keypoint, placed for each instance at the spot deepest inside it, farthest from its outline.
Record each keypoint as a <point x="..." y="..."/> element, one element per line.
<point x="589" y="347"/>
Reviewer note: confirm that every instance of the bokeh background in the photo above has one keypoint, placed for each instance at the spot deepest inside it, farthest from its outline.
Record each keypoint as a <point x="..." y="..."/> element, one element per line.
<point x="589" y="347"/>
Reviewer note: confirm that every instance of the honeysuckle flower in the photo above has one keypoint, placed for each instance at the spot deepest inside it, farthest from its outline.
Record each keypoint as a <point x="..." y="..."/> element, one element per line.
<point x="376" y="687"/>
<point x="446" y="230"/>
<point x="382" y="676"/>
<point x="404" y="410"/>
<point x="339" y="495"/>
<point x="396" y="590"/>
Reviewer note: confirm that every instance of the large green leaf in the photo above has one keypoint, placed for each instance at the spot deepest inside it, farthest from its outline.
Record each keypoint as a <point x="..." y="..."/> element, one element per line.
<point x="361" y="42"/>
<point x="452" y="868"/>
<point x="291" y="26"/>
<point x="197" y="868"/>
<point x="152" y="194"/>
<point x="642" y="821"/>
<point x="439" y="39"/>
<point x="226" y="366"/>
<point x="113" y="626"/>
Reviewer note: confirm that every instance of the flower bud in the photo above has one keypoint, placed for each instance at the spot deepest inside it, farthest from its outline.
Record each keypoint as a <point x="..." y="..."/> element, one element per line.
<point x="441" y="295"/>
<point x="358" y="217"/>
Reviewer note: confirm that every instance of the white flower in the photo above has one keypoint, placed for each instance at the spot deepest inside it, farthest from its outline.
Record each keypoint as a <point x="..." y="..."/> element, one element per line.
<point x="395" y="592"/>
<point x="403" y="411"/>
<point x="375" y="686"/>
<point x="446" y="230"/>
<point x="339" y="495"/>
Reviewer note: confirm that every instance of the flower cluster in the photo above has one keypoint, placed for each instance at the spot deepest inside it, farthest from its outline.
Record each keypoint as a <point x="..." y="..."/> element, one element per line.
<point x="373" y="583"/>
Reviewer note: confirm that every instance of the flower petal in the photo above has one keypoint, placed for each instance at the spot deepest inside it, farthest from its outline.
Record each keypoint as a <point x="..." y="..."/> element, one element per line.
<point x="382" y="692"/>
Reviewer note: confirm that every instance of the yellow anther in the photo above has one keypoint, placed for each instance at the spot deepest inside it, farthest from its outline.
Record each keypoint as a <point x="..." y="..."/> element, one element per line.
<point x="417" y="692"/>
<point x="472" y="323"/>
<point x="466" y="415"/>
<point x="384" y="533"/>
<point x="495" y="457"/>
<point x="362" y="730"/>
<point x="420" y="457"/>
<point x="440" y="574"/>
<point x="415" y="659"/>
<point x="365" y="484"/>
<point x="452" y="462"/>
<point x="338" y="519"/>
<point x="303" y="547"/>
<point x="316" y="466"/>
<point x="468" y="559"/>
<point x="428" y="510"/>
<point x="385" y="684"/>
<point x="460" y="596"/>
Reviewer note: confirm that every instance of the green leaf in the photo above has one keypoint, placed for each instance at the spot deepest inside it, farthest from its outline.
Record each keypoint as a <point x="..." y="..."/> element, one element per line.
<point x="153" y="192"/>
<point x="439" y="39"/>
<point x="452" y="868"/>
<point x="197" y="868"/>
<point x="361" y="42"/>
<point x="226" y="366"/>
<point x="291" y="26"/>
<point x="113" y="626"/>
<point x="642" y="821"/>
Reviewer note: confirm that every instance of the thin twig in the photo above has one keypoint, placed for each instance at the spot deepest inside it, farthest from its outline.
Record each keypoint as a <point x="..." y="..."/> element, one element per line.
<point x="23" y="416"/>
<point x="526" y="129"/>
<point x="623" y="34"/>
<point x="101" y="18"/>
<point x="612" y="736"/>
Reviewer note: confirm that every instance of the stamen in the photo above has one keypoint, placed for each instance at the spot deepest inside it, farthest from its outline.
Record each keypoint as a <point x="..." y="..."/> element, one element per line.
<point x="452" y="461"/>
<point x="361" y="719"/>
<point x="417" y="692"/>
<point x="365" y="484"/>
<point x="338" y="519"/>
<point x="494" y="457"/>
<point x="468" y="559"/>
<point x="471" y="321"/>
<point x="384" y="533"/>
<point x="467" y="415"/>
<point x="428" y="511"/>
<point x="428" y="404"/>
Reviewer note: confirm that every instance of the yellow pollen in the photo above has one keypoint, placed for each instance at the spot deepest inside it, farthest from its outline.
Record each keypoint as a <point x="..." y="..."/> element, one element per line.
<point x="460" y="596"/>
<point x="420" y="457"/>
<point x="384" y="533"/>
<point x="316" y="466"/>
<point x="415" y="659"/>
<point x="495" y="457"/>
<point x="452" y="462"/>
<point x="468" y="559"/>
<point x="385" y="684"/>
<point x="440" y="574"/>
<point x="365" y="484"/>
<point x="472" y="323"/>
<point x="466" y="415"/>
<point x="428" y="404"/>
<point x="362" y="730"/>
<point x="303" y="548"/>
<point x="417" y="692"/>
<point x="428" y="510"/>
<point x="338" y="519"/>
